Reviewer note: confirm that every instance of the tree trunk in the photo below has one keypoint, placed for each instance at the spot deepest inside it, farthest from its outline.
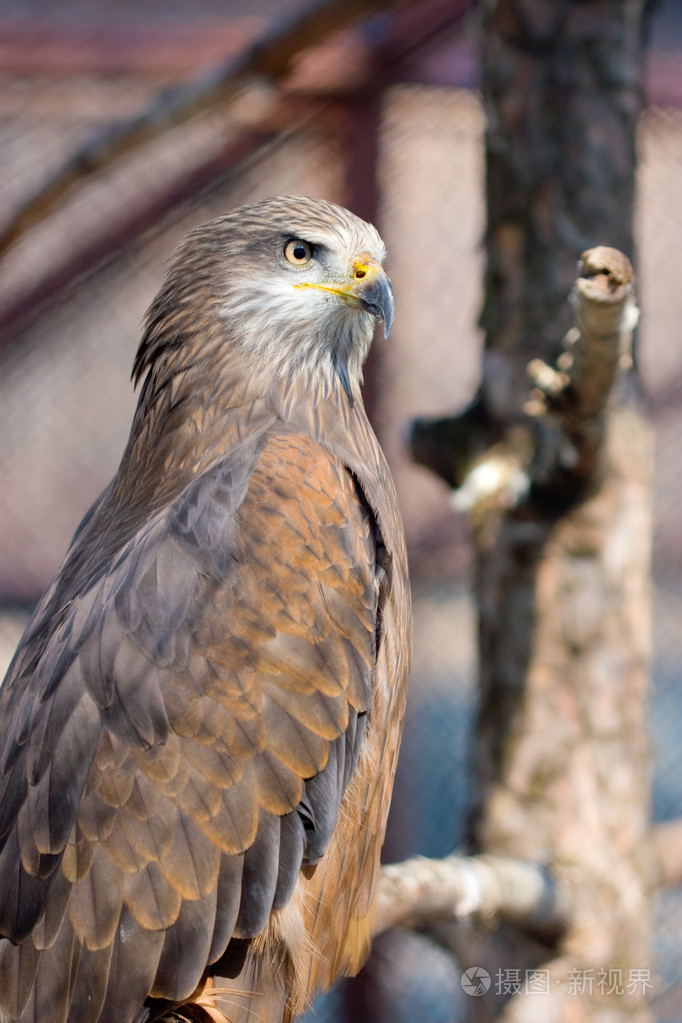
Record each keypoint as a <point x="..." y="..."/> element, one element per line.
<point x="562" y="534"/>
<point x="562" y="83"/>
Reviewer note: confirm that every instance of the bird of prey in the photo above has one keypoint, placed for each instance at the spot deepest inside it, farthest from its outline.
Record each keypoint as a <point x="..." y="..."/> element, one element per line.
<point x="199" y="729"/>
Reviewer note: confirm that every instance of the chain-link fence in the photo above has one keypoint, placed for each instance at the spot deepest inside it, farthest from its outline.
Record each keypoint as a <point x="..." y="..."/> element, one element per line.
<point x="76" y="306"/>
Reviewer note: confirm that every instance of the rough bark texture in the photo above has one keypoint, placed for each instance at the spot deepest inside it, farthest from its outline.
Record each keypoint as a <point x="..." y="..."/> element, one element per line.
<point x="562" y="84"/>
<point x="560" y="508"/>
<point x="562" y="577"/>
<point x="420" y="891"/>
<point x="562" y="750"/>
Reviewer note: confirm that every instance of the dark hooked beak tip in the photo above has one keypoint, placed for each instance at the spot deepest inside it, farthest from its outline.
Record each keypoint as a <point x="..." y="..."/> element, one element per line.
<point x="378" y="300"/>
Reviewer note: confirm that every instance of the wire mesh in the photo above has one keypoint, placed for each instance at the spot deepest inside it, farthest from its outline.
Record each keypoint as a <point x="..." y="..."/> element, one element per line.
<point x="66" y="404"/>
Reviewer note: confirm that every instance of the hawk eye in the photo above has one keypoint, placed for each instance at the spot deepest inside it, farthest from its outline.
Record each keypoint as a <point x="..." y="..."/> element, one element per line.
<point x="298" y="252"/>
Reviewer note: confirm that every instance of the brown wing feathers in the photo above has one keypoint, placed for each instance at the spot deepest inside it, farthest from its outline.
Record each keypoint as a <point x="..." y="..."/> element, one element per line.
<point x="158" y="808"/>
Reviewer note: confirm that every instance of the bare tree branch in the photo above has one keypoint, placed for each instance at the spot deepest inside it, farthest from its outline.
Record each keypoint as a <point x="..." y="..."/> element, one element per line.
<point x="420" y="891"/>
<point x="570" y="399"/>
<point x="555" y="452"/>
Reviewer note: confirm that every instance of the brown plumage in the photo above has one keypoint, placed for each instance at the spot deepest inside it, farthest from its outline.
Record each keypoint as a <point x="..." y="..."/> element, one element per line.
<point x="200" y="727"/>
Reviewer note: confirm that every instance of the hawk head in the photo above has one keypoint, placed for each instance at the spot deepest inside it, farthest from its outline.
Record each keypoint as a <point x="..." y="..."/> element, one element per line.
<point x="288" y="285"/>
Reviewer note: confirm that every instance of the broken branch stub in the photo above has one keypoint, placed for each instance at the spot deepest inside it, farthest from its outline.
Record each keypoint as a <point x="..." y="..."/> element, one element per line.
<point x="569" y="401"/>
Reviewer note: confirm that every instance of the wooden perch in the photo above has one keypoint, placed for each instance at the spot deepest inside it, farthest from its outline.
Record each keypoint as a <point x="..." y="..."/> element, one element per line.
<point x="570" y="400"/>
<point x="420" y="891"/>
<point x="553" y="454"/>
<point x="267" y="62"/>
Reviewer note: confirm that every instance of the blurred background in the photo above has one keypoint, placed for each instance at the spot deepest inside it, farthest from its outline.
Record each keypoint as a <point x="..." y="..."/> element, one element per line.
<point x="383" y="117"/>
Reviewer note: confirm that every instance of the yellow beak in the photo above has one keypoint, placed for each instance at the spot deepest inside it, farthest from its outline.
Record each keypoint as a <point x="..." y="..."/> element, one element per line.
<point x="368" y="287"/>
